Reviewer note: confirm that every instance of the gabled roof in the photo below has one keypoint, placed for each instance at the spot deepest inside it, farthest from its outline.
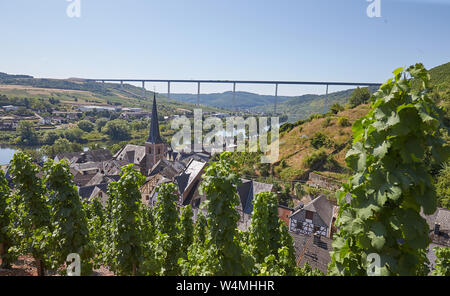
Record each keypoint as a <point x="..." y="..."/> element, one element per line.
<point x="187" y="177"/>
<point x="320" y="205"/>
<point x="87" y="191"/>
<point x="168" y="169"/>
<point x="154" y="136"/>
<point x="247" y="192"/>
<point x="131" y="153"/>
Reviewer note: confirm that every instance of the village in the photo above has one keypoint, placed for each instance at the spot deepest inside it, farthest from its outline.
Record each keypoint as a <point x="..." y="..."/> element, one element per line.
<point x="311" y="222"/>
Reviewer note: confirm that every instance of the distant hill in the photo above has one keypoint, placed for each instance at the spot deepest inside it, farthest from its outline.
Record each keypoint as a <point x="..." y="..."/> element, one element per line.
<point x="78" y="91"/>
<point x="295" y="107"/>
<point x="301" y="107"/>
<point x="9" y="76"/>
<point x="244" y="100"/>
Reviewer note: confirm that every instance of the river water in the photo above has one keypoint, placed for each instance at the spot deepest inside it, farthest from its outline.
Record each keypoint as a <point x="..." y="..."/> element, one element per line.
<point x="6" y="154"/>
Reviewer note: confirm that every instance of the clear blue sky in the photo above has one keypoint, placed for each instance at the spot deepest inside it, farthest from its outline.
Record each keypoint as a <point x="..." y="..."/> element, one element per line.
<point x="314" y="40"/>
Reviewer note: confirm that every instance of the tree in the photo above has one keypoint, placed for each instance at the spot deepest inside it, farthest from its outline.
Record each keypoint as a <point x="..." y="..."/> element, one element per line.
<point x="443" y="186"/>
<point x="100" y="123"/>
<point x="125" y="241"/>
<point x="96" y="221"/>
<point x="50" y="137"/>
<point x="391" y="183"/>
<point x="359" y="96"/>
<point x="223" y="256"/>
<point x="117" y="130"/>
<point x="200" y="229"/>
<point x="69" y="222"/>
<point x="27" y="133"/>
<point x="442" y="267"/>
<point x="186" y="229"/>
<point x="167" y="245"/>
<point x="6" y="240"/>
<point x="86" y="126"/>
<point x="61" y="146"/>
<point x="336" y="108"/>
<point x="264" y="229"/>
<point x="31" y="225"/>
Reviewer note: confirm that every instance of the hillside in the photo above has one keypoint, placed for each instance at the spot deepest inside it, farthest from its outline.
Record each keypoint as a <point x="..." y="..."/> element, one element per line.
<point x="300" y="108"/>
<point x="74" y="92"/>
<point x="320" y="143"/>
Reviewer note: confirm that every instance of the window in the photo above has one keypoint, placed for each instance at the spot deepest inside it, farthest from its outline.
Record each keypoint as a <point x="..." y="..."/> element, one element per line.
<point x="159" y="150"/>
<point x="309" y="215"/>
<point x="299" y="225"/>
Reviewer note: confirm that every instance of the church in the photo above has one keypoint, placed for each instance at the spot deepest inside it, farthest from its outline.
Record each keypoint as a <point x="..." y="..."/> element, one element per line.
<point x="146" y="157"/>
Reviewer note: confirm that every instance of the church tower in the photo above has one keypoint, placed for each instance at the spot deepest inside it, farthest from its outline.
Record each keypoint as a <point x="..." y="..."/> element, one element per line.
<point x="155" y="148"/>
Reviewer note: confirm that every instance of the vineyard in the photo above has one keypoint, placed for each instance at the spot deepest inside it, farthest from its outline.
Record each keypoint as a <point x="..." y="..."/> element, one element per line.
<point x="43" y="216"/>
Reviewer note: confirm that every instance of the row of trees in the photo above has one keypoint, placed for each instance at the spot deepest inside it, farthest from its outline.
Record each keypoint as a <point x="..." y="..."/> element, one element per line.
<point x="47" y="219"/>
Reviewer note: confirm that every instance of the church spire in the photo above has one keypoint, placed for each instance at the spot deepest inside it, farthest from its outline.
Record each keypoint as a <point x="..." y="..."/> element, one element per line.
<point x="154" y="137"/>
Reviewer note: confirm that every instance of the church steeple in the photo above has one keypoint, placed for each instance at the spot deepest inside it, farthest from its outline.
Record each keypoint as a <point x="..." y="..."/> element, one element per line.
<point x="155" y="148"/>
<point x="155" y="136"/>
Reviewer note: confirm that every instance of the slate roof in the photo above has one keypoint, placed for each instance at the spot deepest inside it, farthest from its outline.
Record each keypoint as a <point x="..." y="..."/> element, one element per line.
<point x="441" y="217"/>
<point x="317" y="253"/>
<point x="154" y="136"/>
<point x="88" y="156"/>
<point x="320" y="205"/>
<point x="185" y="179"/>
<point x="87" y="191"/>
<point x="131" y="153"/>
<point x="168" y="169"/>
<point x="247" y="191"/>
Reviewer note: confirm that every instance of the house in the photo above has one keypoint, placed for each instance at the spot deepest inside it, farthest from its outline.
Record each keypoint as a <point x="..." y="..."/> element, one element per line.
<point x="68" y="115"/>
<point x="247" y="192"/>
<point x="314" y="217"/>
<point x="312" y="249"/>
<point x="189" y="180"/>
<point x="10" y="108"/>
<point x="8" y="123"/>
<point x="93" y="191"/>
<point x="148" y="190"/>
<point x="284" y="213"/>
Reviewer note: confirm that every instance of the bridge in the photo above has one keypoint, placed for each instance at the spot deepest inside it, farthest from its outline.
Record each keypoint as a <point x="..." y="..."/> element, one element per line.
<point x="276" y="84"/>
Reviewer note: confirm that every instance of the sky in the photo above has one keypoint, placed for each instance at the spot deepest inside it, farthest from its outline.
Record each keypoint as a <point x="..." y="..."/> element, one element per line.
<point x="296" y="40"/>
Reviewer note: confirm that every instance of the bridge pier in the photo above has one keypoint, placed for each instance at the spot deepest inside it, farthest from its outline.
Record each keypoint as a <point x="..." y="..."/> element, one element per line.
<point x="198" y="93"/>
<point x="143" y="89"/>
<point x="121" y="84"/>
<point x="326" y="102"/>
<point x="168" y="89"/>
<point x="276" y="99"/>
<point x="234" y="96"/>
